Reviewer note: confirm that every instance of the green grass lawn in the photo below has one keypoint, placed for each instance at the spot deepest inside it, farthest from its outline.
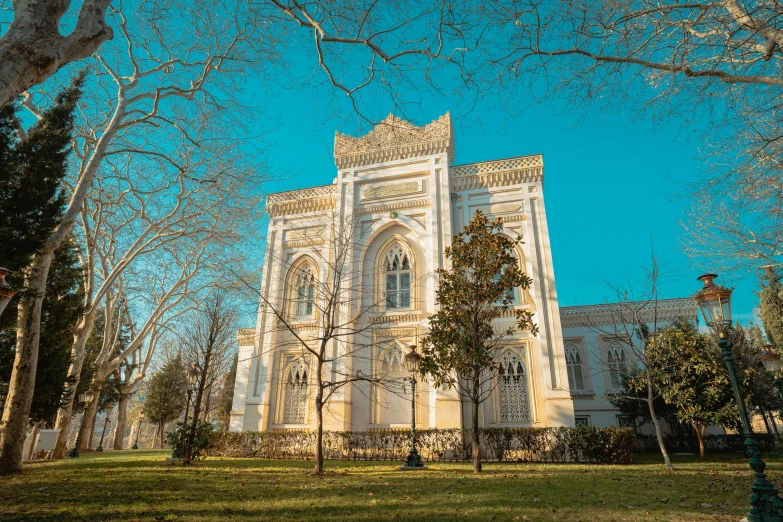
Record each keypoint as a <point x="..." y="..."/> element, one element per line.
<point x="140" y="486"/>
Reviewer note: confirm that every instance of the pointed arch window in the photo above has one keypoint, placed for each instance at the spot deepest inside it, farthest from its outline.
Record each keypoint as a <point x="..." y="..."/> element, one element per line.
<point x="576" y="373"/>
<point x="397" y="277"/>
<point x="512" y="389"/>
<point x="304" y="286"/>
<point x="618" y="365"/>
<point x="295" y="402"/>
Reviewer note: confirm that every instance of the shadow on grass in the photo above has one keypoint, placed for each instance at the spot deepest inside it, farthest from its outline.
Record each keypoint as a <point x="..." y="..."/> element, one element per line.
<point x="139" y="485"/>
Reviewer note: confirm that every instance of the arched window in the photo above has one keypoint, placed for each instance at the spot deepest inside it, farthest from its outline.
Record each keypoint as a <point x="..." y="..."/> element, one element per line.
<point x="512" y="389"/>
<point x="303" y="286"/>
<point x="576" y="380"/>
<point x="618" y="366"/>
<point x="397" y="277"/>
<point x="295" y="402"/>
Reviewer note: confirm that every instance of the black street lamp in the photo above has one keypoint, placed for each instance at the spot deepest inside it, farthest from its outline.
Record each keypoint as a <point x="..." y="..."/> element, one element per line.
<point x="86" y="398"/>
<point x="136" y="442"/>
<point x="715" y="304"/>
<point x="413" y="460"/>
<point x="100" y="444"/>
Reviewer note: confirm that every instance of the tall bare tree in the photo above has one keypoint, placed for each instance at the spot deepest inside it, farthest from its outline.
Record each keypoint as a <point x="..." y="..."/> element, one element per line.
<point x="160" y="83"/>
<point x="713" y="68"/>
<point x="636" y="315"/>
<point x="32" y="47"/>
<point x="207" y="342"/>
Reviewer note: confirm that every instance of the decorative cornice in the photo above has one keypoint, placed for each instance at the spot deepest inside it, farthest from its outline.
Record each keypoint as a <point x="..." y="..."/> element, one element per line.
<point x="410" y="332"/>
<point x="628" y="312"/>
<point x="406" y="318"/>
<point x="377" y="209"/>
<point x="512" y="171"/>
<point x="299" y="326"/>
<point x="582" y="396"/>
<point x="301" y="201"/>
<point x="512" y="218"/>
<point x="496" y="179"/>
<point x="395" y="139"/>
<point x="246" y="336"/>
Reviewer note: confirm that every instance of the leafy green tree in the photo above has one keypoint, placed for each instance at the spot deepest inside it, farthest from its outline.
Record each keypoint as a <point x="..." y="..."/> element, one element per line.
<point x="166" y="394"/>
<point x="464" y="338"/>
<point x="771" y="306"/>
<point x="61" y="307"/>
<point x="688" y="369"/>
<point x="633" y="402"/>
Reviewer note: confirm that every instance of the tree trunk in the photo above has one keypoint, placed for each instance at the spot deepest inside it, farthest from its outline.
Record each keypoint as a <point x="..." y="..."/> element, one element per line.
<point x="16" y="412"/>
<point x="657" y="423"/>
<point x="32" y="48"/>
<point x="774" y="424"/>
<point x="319" y="433"/>
<point x="87" y="428"/>
<point x="188" y="453"/>
<point x="79" y="352"/>
<point x="122" y="418"/>
<point x="476" y="445"/>
<point x="161" y="429"/>
<point x="700" y="437"/>
<point x="764" y="418"/>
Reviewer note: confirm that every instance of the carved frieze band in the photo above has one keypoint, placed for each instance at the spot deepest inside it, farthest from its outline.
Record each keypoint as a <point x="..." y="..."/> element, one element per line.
<point x="496" y="179"/>
<point x="407" y="318"/>
<point x="628" y="312"/>
<point x="392" y="189"/>
<point x="246" y="336"/>
<point x="302" y="201"/>
<point x="303" y="243"/>
<point x="300" y="206"/>
<point x="395" y="333"/>
<point x="376" y="209"/>
<point x="395" y="139"/>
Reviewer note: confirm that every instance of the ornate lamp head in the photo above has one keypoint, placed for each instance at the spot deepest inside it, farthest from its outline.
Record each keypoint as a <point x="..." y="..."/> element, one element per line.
<point x="771" y="360"/>
<point x="715" y="303"/>
<point x="412" y="360"/>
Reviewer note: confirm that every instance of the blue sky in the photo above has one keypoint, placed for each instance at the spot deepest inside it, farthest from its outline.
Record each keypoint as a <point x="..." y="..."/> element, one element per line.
<point x="613" y="185"/>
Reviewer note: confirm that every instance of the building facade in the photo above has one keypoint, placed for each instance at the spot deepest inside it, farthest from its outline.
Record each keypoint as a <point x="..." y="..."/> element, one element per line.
<point x="396" y="201"/>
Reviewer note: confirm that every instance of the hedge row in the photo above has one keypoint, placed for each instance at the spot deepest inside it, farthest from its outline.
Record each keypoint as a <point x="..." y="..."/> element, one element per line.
<point x="676" y="443"/>
<point x="583" y="444"/>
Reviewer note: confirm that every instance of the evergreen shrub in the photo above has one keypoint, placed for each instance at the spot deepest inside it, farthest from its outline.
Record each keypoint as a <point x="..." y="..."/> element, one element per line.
<point x="582" y="444"/>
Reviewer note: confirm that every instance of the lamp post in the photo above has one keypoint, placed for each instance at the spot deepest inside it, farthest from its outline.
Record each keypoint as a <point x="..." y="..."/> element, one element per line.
<point x="100" y="444"/>
<point x="715" y="304"/>
<point x="136" y="442"/>
<point x="86" y="398"/>
<point x="413" y="460"/>
<point x="6" y="292"/>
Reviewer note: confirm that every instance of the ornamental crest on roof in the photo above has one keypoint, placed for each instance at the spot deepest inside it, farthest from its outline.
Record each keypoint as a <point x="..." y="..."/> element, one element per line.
<point x="394" y="139"/>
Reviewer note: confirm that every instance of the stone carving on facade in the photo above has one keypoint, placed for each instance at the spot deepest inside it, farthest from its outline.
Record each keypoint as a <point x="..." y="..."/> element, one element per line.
<point x="391" y="189"/>
<point x="301" y="201"/>
<point x="395" y="139"/>
<point x="401" y="205"/>
<point x="603" y="315"/>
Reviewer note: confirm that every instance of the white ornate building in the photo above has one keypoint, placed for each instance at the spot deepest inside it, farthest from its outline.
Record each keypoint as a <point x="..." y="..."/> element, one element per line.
<point x="405" y="198"/>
